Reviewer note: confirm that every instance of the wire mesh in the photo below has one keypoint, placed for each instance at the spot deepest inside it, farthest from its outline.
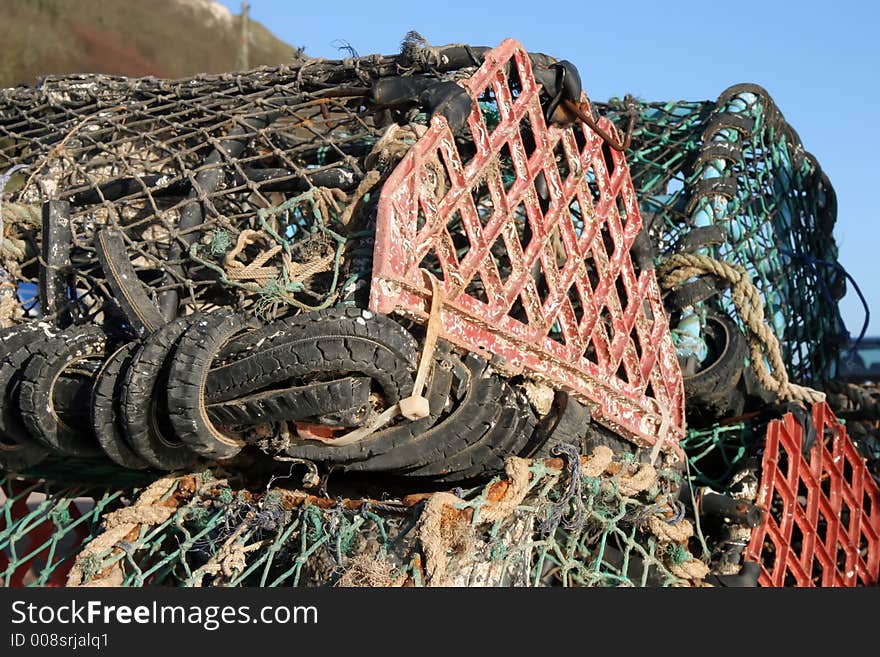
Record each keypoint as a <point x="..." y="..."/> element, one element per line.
<point x="173" y="164"/>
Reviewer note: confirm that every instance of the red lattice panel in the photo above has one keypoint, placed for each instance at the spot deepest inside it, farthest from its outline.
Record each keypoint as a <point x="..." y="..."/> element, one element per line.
<point x="530" y="238"/>
<point x="821" y="523"/>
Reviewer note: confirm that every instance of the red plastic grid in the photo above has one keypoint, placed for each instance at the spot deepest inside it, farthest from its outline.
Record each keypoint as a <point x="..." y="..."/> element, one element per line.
<point x="549" y="290"/>
<point x="821" y="524"/>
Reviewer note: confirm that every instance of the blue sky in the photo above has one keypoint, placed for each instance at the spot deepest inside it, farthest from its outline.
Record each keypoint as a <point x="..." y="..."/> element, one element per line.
<point x="819" y="61"/>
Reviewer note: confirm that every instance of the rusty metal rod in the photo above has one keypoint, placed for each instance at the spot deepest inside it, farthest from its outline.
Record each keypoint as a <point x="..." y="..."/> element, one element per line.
<point x="614" y="142"/>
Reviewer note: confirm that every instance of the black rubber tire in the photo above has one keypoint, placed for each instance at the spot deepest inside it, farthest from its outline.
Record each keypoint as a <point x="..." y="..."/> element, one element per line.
<point x="449" y="467"/>
<point x="16" y="456"/>
<point x="36" y="392"/>
<point x="18" y="450"/>
<point x="487" y="456"/>
<point x="187" y="375"/>
<point x="700" y="237"/>
<point x="712" y="392"/>
<point x="105" y="409"/>
<point x="568" y="424"/>
<point x="726" y="404"/>
<point x="472" y="417"/>
<point x="143" y="403"/>
<point x="71" y="395"/>
<point x="392" y="334"/>
<point x="129" y="292"/>
<point x="439" y="385"/>
<point x="597" y="436"/>
<point x="694" y="292"/>
<point x="333" y="342"/>
<point x="341" y="402"/>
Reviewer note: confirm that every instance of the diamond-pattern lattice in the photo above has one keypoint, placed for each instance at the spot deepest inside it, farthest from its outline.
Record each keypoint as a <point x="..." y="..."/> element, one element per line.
<point x="821" y="523"/>
<point x="528" y="230"/>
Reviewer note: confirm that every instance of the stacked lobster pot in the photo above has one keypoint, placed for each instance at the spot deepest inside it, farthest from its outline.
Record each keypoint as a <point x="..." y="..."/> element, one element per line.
<point x="397" y="274"/>
<point x="735" y="206"/>
<point x="741" y="217"/>
<point x="209" y="265"/>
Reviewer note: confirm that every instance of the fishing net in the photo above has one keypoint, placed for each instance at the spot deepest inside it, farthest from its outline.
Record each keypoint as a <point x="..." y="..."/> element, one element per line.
<point x="716" y="453"/>
<point x="45" y="521"/>
<point x="589" y="521"/>
<point x="736" y="163"/>
<point x="189" y="170"/>
<point x="258" y="193"/>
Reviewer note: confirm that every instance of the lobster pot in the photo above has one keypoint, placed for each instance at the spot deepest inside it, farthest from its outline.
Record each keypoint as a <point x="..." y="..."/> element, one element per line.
<point x="191" y="187"/>
<point x="426" y="278"/>
<point x="735" y="163"/>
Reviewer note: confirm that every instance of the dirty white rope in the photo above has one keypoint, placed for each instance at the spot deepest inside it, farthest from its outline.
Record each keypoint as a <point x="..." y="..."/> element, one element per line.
<point x="762" y="342"/>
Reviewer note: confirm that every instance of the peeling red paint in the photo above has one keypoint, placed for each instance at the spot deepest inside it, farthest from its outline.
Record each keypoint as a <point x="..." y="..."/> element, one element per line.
<point x="607" y="350"/>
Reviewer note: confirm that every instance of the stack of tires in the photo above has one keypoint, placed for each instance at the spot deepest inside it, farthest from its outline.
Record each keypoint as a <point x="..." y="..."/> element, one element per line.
<point x="204" y="387"/>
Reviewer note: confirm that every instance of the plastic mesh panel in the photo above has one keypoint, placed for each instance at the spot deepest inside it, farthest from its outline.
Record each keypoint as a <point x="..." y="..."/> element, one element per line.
<point x="822" y="525"/>
<point x="530" y="238"/>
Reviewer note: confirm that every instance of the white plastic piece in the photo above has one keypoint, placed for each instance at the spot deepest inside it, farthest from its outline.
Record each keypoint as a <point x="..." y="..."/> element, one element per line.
<point x="415" y="407"/>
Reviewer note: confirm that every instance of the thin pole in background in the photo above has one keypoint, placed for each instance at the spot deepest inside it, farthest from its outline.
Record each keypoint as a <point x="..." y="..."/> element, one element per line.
<point x="243" y="52"/>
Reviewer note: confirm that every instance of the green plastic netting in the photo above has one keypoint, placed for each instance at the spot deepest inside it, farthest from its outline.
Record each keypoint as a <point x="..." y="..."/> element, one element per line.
<point x="738" y="164"/>
<point x="714" y="454"/>
<point x="595" y="521"/>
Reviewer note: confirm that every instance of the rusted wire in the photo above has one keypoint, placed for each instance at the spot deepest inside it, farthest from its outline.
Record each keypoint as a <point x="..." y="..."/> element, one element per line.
<point x="615" y="141"/>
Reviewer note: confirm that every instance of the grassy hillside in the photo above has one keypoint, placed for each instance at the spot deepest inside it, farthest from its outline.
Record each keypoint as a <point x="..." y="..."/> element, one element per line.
<point x="164" y="38"/>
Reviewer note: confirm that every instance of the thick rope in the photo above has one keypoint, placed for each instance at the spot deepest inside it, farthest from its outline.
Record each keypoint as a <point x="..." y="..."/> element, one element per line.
<point x="119" y="526"/>
<point x="230" y="560"/>
<point x="11" y="311"/>
<point x="633" y="483"/>
<point x="257" y="271"/>
<point x="597" y="462"/>
<point x="394" y="143"/>
<point x="12" y="250"/>
<point x="750" y="306"/>
<point x="442" y="527"/>
<point x="517" y="471"/>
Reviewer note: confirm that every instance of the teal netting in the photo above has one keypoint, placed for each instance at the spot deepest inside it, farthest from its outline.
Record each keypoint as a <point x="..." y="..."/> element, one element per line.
<point x="736" y="163"/>
<point x="597" y="521"/>
<point x="714" y="454"/>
